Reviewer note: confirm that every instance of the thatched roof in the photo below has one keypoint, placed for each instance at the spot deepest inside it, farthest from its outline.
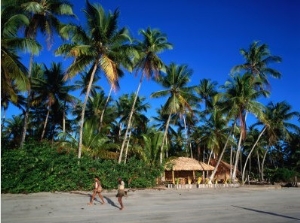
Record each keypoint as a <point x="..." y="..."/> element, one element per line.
<point x="223" y="166"/>
<point x="185" y="163"/>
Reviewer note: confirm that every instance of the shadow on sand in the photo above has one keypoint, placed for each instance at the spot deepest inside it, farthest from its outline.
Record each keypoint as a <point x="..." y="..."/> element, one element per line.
<point x="108" y="200"/>
<point x="266" y="212"/>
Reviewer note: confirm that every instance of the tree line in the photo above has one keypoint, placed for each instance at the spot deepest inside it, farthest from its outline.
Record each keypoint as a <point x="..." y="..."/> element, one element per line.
<point x="204" y="121"/>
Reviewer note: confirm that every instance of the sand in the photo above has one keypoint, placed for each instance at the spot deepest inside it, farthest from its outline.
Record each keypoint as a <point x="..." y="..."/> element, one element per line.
<point x="242" y="204"/>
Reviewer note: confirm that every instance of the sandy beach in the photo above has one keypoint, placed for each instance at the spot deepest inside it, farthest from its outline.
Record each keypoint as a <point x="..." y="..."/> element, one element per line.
<point x="242" y="204"/>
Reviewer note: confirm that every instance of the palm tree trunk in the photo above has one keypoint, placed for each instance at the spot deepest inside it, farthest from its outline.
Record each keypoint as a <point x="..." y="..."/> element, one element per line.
<point x="64" y="119"/>
<point x="164" y="138"/>
<point x="26" y="116"/>
<point x="83" y="110"/>
<point x="244" y="169"/>
<point x="45" y="123"/>
<point x="212" y="176"/>
<point x="103" y="111"/>
<point x="237" y="155"/>
<point x="236" y="161"/>
<point x="230" y="162"/>
<point x="258" y="163"/>
<point x="262" y="165"/>
<point x="127" y="145"/>
<point x="129" y="120"/>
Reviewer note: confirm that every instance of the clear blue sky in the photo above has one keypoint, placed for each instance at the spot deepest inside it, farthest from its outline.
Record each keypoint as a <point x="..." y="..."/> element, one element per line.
<point x="207" y="36"/>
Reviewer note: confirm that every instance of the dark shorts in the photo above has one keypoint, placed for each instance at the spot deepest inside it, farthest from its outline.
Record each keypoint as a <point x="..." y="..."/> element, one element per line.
<point x="121" y="193"/>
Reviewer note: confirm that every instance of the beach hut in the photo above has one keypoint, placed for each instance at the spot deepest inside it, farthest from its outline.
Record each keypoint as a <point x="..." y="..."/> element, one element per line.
<point x="184" y="168"/>
<point x="223" y="171"/>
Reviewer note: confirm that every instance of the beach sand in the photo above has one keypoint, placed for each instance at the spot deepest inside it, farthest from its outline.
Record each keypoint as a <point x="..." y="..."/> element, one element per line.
<point x="242" y="204"/>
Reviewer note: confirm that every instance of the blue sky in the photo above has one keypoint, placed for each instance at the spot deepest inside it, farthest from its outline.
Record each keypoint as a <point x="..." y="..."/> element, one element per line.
<point x="207" y="36"/>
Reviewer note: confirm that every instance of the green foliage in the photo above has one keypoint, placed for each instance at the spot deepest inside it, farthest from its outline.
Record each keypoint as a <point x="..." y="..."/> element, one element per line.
<point x="282" y="175"/>
<point x="42" y="168"/>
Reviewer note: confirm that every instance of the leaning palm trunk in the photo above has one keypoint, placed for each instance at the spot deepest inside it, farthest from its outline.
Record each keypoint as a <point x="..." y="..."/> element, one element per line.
<point x="212" y="176"/>
<point x="83" y="110"/>
<point x="45" y="123"/>
<point x="244" y="169"/>
<point x="26" y="116"/>
<point x="258" y="162"/>
<point x="103" y="111"/>
<point x="237" y="155"/>
<point x="164" y="138"/>
<point x="127" y="145"/>
<point x="262" y="165"/>
<point x="237" y="158"/>
<point x="129" y="120"/>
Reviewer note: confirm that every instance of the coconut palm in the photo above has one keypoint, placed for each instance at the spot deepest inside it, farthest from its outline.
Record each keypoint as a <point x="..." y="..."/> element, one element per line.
<point x="241" y="98"/>
<point x="83" y="83"/>
<point x="174" y="82"/>
<point x="11" y="132"/>
<point x="206" y="90"/>
<point x="101" y="45"/>
<point x="148" y="62"/>
<point x="277" y="125"/>
<point x="257" y="60"/>
<point x="161" y="121"/>
<point x="13" y="72"/>
<point x="50" y="89"/>
<point x="44" y="17"/>
<point x="152" y="139"/>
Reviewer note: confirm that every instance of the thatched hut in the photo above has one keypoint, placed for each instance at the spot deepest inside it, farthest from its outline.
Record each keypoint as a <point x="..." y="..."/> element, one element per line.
<point x="184" y="168"/>
<point x="223" y="171"/>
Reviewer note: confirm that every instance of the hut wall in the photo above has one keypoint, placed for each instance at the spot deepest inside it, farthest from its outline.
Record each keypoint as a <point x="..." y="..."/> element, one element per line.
<point x="168" y="175"/>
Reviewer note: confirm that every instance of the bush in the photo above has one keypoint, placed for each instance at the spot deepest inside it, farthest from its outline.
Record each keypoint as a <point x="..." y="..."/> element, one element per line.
<point x="283" y="175"/>
<point x="42" y="168"/>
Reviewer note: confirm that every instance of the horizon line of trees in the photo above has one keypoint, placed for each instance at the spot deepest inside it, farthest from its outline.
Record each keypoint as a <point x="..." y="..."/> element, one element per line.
<point x="204" y="121"/>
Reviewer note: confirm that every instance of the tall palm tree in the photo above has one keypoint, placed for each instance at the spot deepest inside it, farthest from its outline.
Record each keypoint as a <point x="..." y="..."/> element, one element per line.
<point x="153" y="43"/>
<point x="99" y="46"/>
<point x="277" y="125"/>
<point x="206" y="90"/>
<point x="241" y="98"/>
<point x="51" y="89"/>
<point x="13" y="72"/>
<point x="257" y="60"/>
<point x="175" y="83"/>
<point x="161" y="121"/>
<point x="83" y="83"/>
<point x="44" y="17"/>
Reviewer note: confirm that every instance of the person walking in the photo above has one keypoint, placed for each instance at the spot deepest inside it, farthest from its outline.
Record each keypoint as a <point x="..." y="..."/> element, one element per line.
<point x="121" y="192"/>
<point x="97" y="190"/>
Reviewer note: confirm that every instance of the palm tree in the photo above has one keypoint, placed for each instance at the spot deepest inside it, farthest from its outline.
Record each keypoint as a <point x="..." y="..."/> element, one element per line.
<point x="206" y="90"/>
<point x="51" y="89"/>
<point x="241" y="98"/>
<point x="83" y="83"/>
<point x="11" y="132"/>
<point x="152" y="139"/>
<point x="162" y="120"/>
<point x="154" y="42"/>
<point x="44" y="17"/>
<point x="175" y="81"/>
<point x="254" y="143"/>
<point x="257" y="58"/>
<point x="101" y="46"/>
<point x="277" y="125"/>
<point x="13" y="72"/>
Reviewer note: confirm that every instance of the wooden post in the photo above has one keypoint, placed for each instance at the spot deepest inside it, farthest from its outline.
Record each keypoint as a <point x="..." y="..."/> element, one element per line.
<point x="173" y="179"/>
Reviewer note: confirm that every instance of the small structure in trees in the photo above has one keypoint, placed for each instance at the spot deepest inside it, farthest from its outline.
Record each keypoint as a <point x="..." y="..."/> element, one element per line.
<point x="223" y="171"/>
<point x="184" y="168"/>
